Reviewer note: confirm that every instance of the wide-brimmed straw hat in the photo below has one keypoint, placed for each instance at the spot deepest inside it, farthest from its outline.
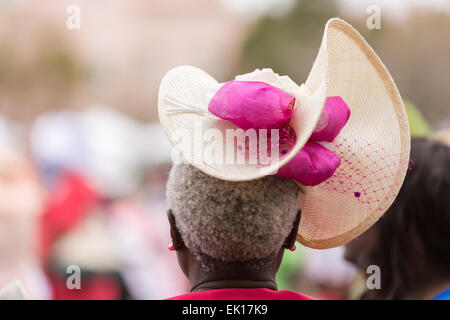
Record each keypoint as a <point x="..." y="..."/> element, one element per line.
<point x="373" y="145"/>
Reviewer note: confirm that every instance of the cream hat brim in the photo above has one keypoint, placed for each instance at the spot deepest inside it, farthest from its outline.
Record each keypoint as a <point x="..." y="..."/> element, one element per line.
<point x="191" y="85"/>
<point x="373" y="145"/>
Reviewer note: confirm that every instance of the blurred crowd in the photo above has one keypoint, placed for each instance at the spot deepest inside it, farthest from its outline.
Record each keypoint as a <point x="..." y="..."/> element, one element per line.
<point x="87" y="189"/>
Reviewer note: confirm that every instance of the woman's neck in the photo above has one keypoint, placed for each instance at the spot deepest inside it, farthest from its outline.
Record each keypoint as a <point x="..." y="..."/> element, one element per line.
<point x="212" y="283"/>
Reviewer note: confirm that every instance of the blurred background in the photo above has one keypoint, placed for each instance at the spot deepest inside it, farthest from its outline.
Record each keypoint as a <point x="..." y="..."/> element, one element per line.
<point x="83" y="161"/>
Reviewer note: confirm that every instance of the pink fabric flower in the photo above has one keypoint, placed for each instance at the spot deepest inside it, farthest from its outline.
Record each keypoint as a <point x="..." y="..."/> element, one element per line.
<point x="252" y="104"/>
<point x="315" y="163"/>
<point x="334" y="117"/>
<point x="312" y="165"/>
<point x="258" y="105"/>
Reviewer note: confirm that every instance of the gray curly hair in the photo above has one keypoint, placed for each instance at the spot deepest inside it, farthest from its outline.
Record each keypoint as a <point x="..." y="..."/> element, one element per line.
<point x="231" y="221"/>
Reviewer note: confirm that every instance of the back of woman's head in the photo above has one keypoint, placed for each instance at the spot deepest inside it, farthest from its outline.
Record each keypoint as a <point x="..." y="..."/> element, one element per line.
<point x="231" y="221"/>
<point x="412" y="243"/>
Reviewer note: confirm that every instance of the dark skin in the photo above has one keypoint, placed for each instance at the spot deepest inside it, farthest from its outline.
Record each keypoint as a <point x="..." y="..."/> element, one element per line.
<point x="200" y="281"/>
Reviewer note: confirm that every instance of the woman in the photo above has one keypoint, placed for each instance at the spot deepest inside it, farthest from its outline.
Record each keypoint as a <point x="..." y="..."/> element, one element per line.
<point x="334" y="160"/>
<point x="231" y="234"/>
<point x="411" y="243"/>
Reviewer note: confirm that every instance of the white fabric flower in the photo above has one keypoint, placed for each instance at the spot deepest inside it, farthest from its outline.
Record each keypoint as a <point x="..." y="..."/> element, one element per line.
<point x="268" y="76"/>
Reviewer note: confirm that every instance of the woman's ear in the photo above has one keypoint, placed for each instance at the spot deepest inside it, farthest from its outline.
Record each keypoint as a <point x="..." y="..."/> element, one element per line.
<point x="290" y="240"/>
<point x="177" y="241"/>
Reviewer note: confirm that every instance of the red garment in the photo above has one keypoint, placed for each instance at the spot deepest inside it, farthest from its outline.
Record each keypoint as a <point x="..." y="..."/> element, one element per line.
<point x="68" y="204"/>
<point x="243" y="294"/>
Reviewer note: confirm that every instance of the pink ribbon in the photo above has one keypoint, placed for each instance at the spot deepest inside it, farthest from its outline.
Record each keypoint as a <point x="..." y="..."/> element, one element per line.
<point x="258" y="105"/>
<point x="252" y="104"/>
<point x="315" y="163"/>
<point x="333" y="118"/>
<point x="311" y="165"/>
